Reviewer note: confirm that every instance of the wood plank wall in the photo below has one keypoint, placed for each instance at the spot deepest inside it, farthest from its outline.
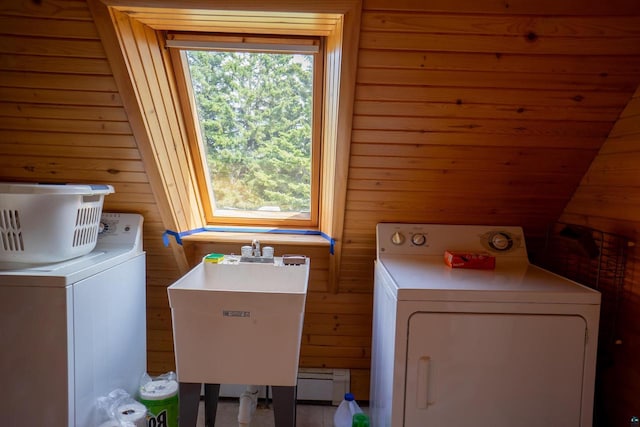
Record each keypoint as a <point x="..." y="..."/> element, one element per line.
<point x="608" y="199"/>
<point x="62" y="120"/>
<point x="487" y="117"/>
<point x="466" y="112"/>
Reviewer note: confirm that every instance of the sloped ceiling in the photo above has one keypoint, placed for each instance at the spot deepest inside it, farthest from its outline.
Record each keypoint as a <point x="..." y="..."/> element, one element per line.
<point x="481" y="111"/>
<point x="467" y="111"/>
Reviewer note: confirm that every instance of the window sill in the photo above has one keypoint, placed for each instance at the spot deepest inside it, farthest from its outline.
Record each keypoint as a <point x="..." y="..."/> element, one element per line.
<point x="265" y="238"/>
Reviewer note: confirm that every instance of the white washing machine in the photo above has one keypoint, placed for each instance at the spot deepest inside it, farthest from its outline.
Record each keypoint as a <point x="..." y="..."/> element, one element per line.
<point x="452" y="347"/>
<point x="73" y="331"/>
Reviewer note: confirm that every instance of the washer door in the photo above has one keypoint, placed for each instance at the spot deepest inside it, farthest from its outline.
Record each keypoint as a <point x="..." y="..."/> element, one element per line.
<point x="494" y="370"/>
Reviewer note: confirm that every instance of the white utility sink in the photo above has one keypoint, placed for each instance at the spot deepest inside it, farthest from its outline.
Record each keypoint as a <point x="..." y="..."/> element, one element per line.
<point x="239" y="322"/>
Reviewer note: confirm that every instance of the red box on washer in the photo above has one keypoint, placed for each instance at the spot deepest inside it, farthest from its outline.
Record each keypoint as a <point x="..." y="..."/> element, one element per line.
<point x="464" y="259"/>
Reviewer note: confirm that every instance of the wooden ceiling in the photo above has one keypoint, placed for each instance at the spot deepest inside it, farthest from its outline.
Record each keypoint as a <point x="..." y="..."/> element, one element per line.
<point x="485" y="111"/>
<point x="466" y="111"/>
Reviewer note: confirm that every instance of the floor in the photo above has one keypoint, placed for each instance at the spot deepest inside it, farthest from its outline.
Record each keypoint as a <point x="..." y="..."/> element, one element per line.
<point x="307" y="415"/>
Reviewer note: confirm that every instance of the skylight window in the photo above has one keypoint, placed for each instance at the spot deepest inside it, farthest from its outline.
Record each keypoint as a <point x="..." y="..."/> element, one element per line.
<point x="147" y="43"/>
<point x="254" y="102"/>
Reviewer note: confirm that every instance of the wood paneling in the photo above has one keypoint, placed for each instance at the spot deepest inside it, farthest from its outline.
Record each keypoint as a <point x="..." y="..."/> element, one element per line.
<point x="608" y="199"/>
<point x="476" y="111"/>
<point x="235" y="21"/>
<point x="511" y="7"/>
<point x="489" y="116"/>
<point x="142" y="67"/>
<point x="62" y="120"/>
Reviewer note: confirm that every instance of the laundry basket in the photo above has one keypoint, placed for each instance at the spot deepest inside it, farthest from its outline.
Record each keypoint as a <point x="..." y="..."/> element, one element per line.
<point x="46" y="223"/>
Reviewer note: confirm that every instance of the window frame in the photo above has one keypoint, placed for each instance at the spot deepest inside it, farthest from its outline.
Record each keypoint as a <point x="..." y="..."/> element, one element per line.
<point x="131" y="33"/>
<point x="186" y="99"/>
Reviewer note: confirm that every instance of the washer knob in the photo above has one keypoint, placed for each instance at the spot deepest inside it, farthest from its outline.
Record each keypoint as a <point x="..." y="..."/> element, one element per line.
<point x="501" y="241"/>
<point x="397" y="238"/>
<point x="419" y="239"/>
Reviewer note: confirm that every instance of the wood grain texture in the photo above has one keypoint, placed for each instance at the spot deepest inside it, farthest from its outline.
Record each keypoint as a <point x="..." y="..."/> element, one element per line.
<point x="62" y="120"/>
<point x="511" y="7"/>
<point x="608" y="199"/>
<point x="476" y="111"/>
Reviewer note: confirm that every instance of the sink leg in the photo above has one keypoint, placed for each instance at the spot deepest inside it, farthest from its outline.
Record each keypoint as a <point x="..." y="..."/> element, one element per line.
<point x="284" y="406"/>
<point x="211" y="393"/>
<point x="189" y="397"/>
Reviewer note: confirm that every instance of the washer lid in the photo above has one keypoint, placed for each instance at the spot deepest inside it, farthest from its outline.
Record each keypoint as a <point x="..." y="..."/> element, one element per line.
<point x="63" y="273"/>
<point x="429" y="279"/>
<point x="120" y="240"/>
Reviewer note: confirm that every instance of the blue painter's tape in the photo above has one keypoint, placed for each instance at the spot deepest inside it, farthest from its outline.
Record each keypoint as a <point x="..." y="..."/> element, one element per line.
<point x="175" y="234"/>
<point x="178" y="235"/>
<point x="332" y="242"/>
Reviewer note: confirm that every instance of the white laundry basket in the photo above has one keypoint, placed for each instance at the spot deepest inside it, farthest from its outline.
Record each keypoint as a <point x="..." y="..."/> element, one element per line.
<point x="45" y="223"/>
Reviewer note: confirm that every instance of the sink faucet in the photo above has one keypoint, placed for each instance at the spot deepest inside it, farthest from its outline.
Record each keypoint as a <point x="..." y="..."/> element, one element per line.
<point x="255" y="245"/>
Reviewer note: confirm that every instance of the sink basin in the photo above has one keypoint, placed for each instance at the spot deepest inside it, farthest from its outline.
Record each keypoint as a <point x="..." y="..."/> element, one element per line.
<point x="239" y="323"/>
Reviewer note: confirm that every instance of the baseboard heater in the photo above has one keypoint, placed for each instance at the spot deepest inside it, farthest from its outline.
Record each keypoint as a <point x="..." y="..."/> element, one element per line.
<point x="315" y="385"/>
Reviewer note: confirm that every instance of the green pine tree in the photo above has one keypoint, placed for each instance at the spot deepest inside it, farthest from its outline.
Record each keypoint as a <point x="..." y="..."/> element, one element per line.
<point x="255" y="114"/>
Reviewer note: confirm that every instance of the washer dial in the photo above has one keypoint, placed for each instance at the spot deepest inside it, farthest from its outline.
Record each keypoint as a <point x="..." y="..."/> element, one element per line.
<point x="419" y="239"/>
<point x="397" y="238"/>
<point x="500" y="241"/>
<point x="103" y="227"/>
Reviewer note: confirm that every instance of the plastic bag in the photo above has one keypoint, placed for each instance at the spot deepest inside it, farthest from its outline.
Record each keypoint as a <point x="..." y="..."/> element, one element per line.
<point x="104" y="413"/>
<point x="119" y="409"/>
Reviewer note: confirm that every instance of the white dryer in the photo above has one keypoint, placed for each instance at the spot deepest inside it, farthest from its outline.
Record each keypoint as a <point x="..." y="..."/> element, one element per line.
<point x="493" y="348"/>
<point x="73" y="331"/>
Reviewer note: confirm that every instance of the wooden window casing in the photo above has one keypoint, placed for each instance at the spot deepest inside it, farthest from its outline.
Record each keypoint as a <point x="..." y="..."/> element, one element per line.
<point x="133" y="31"/>
<point x="212" y="215"/>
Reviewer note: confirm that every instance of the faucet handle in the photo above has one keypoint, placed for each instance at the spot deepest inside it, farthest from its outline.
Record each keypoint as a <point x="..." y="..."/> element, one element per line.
<point x="255" y="244"/>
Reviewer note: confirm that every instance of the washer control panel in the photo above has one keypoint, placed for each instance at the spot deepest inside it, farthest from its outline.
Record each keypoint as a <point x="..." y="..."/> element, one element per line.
<point x="434" y="239"/>
<point x="120" y="230"/>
